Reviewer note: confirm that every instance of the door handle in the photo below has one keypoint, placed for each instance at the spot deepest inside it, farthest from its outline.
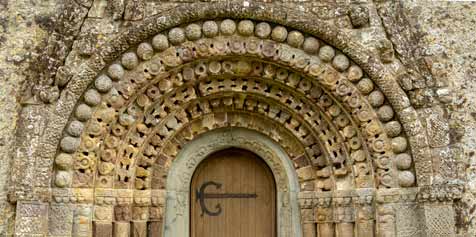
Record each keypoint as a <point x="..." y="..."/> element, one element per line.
<point x="201" y="196"/>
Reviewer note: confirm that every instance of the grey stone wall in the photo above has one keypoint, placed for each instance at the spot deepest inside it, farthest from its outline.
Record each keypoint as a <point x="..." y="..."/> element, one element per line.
<point x="22" y="26"/>
<point x="449" y="46"/>
<point x="38" y="37"/>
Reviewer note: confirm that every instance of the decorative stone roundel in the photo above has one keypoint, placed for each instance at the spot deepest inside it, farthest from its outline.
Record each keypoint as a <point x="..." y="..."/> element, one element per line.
<point x="335" y="124"/>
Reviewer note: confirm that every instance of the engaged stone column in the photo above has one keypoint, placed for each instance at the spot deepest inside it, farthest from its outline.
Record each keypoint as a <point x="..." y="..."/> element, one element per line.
<point x="365" y="221"/>
<point x="365" y="216"/>
<point x="122" y="229"/>
<point x="345" y="229"/>
<point x="307" y="214"/>
<point x="344" y="215"/>
<point x="103" y="212"/>
<point x="30" y="128"/>
<point x="60" y="220"/>
<point x="325" y="217"/>
<point x="31" y="219"/>
<point x="386" y="221"/>
<point x="103" y="229"/>
<point x="82" y="221"/>
<point x="156" y="228"/>
<point x="139" y="222"/>
<point x="439" y="219"/>
<point x="31" y="213"/>
<point x="156" y="213"/>
<point x="103" y="221"/>
<point x="437" y="204"/>
<point x="123" y="214"/>
<point x="139" y="229"/>
<point x="156" y="221"/>
<point x="141" y="212"/>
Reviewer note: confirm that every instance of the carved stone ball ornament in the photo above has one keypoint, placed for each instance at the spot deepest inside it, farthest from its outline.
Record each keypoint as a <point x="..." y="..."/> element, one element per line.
<point x="331" y="117"/>
<point x="339" y="125"/>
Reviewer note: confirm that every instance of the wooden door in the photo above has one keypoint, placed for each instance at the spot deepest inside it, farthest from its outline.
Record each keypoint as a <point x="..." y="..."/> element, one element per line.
<point x="233" y="194"/>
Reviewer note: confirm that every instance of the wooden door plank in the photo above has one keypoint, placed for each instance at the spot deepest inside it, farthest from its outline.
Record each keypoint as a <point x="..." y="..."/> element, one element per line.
<point x="233" y="183"/>
<point x="238" y="171"/>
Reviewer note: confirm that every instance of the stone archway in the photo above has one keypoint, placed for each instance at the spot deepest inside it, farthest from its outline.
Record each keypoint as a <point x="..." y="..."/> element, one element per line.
<point x="120" y="124"/>
<point x="181" y="172"/>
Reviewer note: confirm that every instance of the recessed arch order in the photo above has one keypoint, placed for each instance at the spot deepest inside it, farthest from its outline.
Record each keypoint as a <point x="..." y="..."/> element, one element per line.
<point x="120" y="121"/>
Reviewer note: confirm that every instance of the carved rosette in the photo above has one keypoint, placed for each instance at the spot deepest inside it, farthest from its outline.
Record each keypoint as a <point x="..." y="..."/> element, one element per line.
<point x="131" y="115"/>
<point x="333" y="121"/>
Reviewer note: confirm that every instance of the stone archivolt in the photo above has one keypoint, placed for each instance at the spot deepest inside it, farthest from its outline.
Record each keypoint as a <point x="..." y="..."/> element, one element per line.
<point x="335" y="124"/>
<point x="102" y="155"/>
<point x="166" y="84"/>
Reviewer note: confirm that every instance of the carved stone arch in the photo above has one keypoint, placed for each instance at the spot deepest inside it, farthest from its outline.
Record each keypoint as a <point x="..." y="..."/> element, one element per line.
<point x="93" y="82"/>
<point x="281" y="15"/>
<point x="362" y="116"/>
<point x="229" y="117"/>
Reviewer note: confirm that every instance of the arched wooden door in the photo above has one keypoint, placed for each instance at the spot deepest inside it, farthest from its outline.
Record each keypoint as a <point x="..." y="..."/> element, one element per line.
<point x="233" y="195"/>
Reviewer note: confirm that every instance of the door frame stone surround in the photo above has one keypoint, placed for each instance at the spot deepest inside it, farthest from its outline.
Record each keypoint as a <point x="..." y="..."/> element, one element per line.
<point x="177" y="207"/>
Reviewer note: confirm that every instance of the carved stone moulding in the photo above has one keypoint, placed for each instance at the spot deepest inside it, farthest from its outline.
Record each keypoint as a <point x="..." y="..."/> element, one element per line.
<point x="361" y="212"/>
<point x="156" y="197"/>
<point x="356" y="145"/>
<point x="156" y="73"/>
<point x="367" y="211"/>
<point x="444" y="193"/>
<point x="108" y="197"/>
<point x="149" y="28"/>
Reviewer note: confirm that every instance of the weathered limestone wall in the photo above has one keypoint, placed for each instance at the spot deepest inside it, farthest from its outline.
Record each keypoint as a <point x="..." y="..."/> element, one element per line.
<point x="448" y="43"/>
<point x="21" y="31"/>
<point x="37" y="37"/>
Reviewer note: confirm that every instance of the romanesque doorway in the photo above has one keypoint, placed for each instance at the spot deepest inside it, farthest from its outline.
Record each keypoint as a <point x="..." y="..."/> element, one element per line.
<point x="233" y="194"/>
